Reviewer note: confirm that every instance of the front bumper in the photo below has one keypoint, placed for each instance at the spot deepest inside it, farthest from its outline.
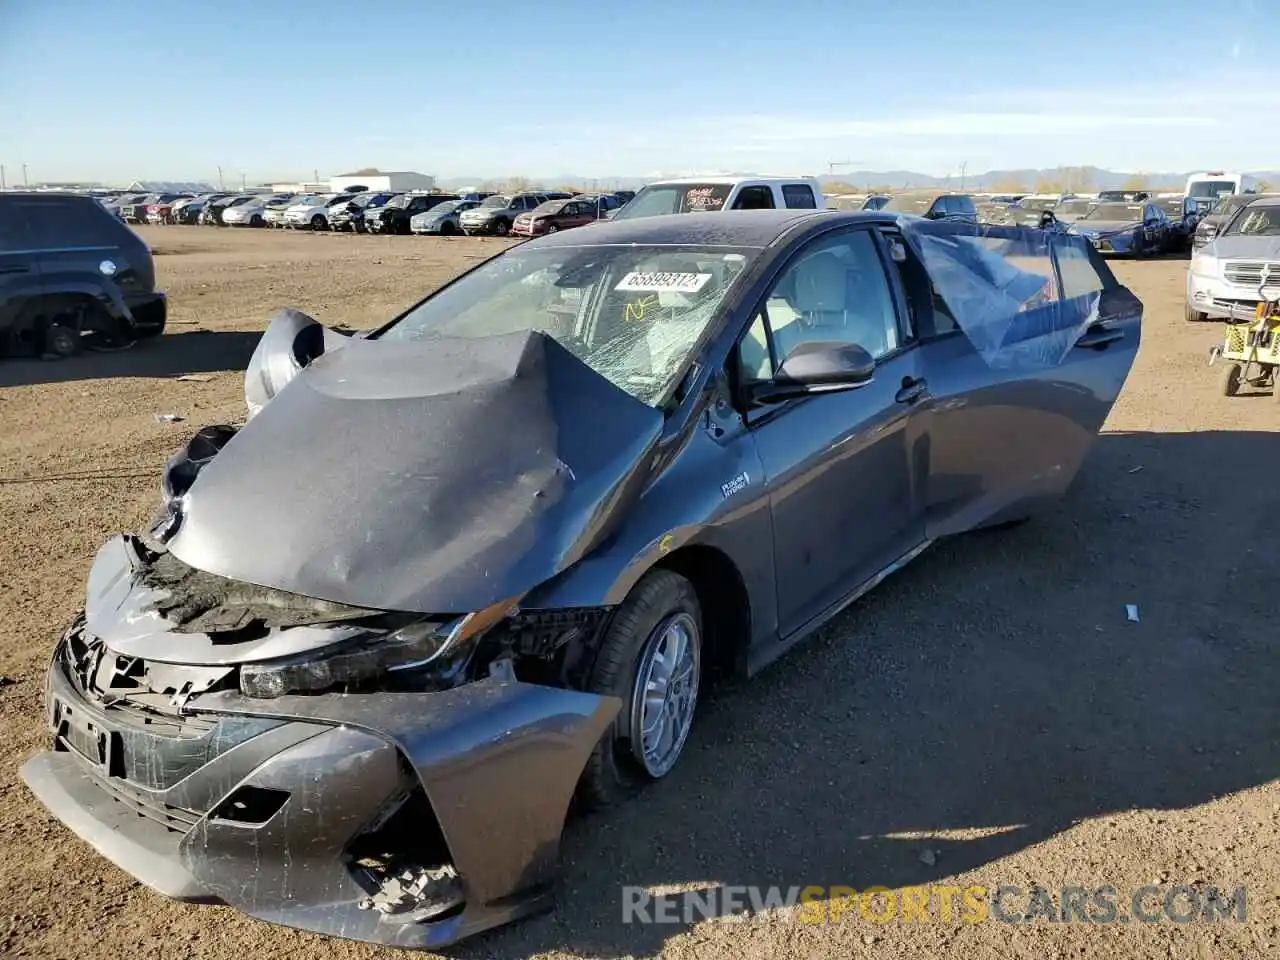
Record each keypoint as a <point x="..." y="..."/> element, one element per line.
<point x="149" y="311"/>
<point x="1215" y="297"/>
<point x="487" y="225"/>
<point x="271" y="824"/>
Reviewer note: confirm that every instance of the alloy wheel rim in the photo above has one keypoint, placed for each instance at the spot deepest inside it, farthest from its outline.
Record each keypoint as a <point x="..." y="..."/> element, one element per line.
<point x="665" y="694"/>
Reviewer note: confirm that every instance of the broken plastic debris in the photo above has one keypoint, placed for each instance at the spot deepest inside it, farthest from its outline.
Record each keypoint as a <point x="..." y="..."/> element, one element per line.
<point x="196" y="377"/>
<point x="1131" y="611"/>
<point x="169" y="418"/>
<point x="928" y="857"/>
<point x="1136" y="469"/>
<point x="413" y="894"/>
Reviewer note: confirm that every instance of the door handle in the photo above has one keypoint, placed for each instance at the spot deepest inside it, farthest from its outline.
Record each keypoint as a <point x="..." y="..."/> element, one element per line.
<point x="912" y="390"/>
<point x="1099" y="339"/>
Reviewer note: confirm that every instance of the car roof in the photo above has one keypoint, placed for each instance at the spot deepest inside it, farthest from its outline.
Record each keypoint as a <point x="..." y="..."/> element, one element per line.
<point x="735" y="228"/>
<point x="1264" y="201"/>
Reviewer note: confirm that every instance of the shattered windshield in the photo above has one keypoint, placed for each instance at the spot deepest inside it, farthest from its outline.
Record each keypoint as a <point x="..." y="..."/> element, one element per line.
<point x="1255" y="221"/>
<point x="631" y="313"/>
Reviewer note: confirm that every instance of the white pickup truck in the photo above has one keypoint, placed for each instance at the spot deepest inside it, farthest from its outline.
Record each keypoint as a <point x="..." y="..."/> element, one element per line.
<point x="709" y="194"/>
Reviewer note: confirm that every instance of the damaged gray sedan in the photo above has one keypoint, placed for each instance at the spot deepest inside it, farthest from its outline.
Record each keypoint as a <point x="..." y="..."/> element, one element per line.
<point x="454" y="573"/>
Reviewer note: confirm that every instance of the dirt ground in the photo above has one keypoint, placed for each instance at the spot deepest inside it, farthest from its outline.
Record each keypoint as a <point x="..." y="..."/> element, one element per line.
<point x="988" y="716"/>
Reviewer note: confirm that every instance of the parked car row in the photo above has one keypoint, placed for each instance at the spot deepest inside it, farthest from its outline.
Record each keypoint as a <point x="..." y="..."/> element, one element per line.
<point x="374" y="212"/>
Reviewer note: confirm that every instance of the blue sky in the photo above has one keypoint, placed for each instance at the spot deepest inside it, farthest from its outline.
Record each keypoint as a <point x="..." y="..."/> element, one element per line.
<point x="96" y="89"/>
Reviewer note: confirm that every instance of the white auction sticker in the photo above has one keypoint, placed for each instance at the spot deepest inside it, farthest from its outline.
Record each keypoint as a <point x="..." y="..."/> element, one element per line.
<point x="663" y="282"/>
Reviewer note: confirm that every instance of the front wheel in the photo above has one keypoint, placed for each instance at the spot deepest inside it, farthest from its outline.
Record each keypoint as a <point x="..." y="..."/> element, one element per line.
<point x="448" y="229"/>
<point x="650" y="659"/>
<point x="553" y="229"/>
<point x="502" y="228"/>
<point x="1192" y="315"/>
<point x="256" y="221"/>
<point x="1231" y="377"/>
<point x="318" y="222"/>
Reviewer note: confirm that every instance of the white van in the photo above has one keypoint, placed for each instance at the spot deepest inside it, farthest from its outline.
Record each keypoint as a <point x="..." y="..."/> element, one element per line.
<point x="1217" y="183"/>
<point x="708" y="194"/>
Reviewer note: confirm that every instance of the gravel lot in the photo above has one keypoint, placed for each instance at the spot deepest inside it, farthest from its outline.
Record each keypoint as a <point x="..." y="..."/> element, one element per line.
<point x="991" y="704"/>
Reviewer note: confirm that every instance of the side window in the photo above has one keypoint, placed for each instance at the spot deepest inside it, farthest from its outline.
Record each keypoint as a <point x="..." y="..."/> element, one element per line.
<point x="836" y="291"/>
<point x="962" y="206"/>
<point x="52" y="224"/>
<point x="754" y="198"/>
<point x="799" y="196"/>
<point x="13" y="228"/>
<point x="1078" y="275"/>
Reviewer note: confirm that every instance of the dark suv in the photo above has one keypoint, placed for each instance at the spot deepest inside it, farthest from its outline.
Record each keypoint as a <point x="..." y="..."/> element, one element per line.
<point x="72" y="275"/>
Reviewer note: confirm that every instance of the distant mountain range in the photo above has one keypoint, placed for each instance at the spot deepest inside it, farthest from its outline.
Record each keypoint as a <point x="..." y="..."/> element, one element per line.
<point x="1081" y="178"/>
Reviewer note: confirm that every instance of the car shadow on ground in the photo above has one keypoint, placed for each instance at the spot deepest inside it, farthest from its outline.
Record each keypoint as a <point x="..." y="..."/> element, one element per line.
<point x="169" y="355"/>
<point x="994" y="687"/>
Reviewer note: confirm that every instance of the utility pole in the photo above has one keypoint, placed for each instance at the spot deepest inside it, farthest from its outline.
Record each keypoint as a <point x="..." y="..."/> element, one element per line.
<point x="832" y="164"/>
<point x="220" y="185"/>
<point x="242" y="183"/>
<point x="24" y="176"/>
<point x="315" y="174"/>
<point x="3" y="185"/>
<point x="963" y="165"/>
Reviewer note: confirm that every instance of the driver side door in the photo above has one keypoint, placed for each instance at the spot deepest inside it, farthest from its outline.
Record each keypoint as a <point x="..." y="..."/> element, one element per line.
<point x="841" y="467"/>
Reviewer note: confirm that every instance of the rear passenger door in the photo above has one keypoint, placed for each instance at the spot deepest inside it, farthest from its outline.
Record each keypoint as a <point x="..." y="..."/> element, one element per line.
<point x="759" y="197"/>
<point x="19" y="265"/>
<point x="1007" y="439"/>
<point x="840" y="466"/>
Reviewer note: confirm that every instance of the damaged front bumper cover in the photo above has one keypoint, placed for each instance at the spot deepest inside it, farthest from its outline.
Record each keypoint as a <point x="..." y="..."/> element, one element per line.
<point x="407" y="819"/>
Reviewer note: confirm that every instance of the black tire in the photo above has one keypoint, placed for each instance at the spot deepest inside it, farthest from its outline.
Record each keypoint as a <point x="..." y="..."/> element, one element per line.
<point x="61" y="341"/>
<point x="612" y="775"/>
<point x="502" y="227"/>
<point x="318" y="222"/>
<point x="1193" y="315"/>
<point x="447" y="229"/>
<point x="256" y="221"/>
<point x="553" y="229"/>
<point x="1231" y="377"/>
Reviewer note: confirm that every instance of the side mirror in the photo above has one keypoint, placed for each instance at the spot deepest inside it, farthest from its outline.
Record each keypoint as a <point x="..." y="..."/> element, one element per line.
<point x="817" y="367"/>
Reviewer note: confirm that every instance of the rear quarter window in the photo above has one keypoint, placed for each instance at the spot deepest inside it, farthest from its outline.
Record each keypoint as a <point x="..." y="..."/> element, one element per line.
<point x="56" y="224"/>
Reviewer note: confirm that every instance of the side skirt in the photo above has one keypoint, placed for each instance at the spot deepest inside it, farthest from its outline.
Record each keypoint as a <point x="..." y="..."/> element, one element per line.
<point x="765" y="655"/>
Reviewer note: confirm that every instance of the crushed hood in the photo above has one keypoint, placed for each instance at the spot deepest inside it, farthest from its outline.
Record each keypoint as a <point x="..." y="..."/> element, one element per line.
<point x="433" y="476"/>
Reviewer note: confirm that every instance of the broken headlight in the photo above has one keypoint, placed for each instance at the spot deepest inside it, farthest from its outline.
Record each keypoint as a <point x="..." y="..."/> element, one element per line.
<point x="369" y="657"/>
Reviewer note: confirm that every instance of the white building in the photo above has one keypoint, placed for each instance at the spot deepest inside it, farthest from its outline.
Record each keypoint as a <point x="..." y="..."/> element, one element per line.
<point x="319" y="187"/>
<point x="380" y="181"/>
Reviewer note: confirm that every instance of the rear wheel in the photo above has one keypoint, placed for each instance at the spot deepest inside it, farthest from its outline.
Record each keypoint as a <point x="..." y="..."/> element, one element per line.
<point x="1192" y="315"/>
<point x="61" y="341"/>
<point x="1231" y="376"/>
<point x="650" y="659"/>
